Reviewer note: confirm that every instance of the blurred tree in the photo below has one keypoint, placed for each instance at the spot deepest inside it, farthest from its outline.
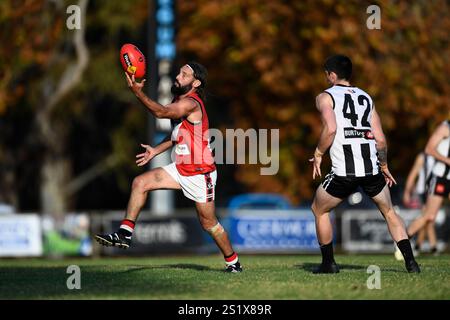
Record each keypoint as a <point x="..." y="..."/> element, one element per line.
<point x="56" y="84"/>
<point x="51" y="130"/>
<point x="20" y="55"/>
<point x="265" y="62"/>
<point x="267" y="57"/>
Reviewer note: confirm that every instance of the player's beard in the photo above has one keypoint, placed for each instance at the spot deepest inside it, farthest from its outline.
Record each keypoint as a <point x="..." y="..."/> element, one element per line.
<point x="179" y="90"/>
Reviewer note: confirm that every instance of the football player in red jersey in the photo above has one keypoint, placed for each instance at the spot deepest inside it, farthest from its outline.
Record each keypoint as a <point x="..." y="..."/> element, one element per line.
<point x="193" y="170"/>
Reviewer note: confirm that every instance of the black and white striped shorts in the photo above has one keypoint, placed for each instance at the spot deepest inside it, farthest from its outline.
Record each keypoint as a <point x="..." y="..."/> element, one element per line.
<point x="438" y="186"/>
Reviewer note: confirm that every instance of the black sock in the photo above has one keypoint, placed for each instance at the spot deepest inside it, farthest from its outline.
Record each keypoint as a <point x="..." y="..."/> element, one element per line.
<point x="417" y="247"/>
<point x="327" y="253"/>
<point x="405" y="247"/>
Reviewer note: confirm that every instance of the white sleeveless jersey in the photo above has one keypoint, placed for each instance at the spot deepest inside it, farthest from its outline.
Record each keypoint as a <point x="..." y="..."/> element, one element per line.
<point x="353" y="152"/>
<point x="440" y="169"/>
<point x="424" y="173"/>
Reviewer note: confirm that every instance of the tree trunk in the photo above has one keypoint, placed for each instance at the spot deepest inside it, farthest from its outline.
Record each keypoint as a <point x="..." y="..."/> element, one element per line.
<point x="56" y="170"/>
<point x="55" y="175"/>
<point x="8" y="188"/>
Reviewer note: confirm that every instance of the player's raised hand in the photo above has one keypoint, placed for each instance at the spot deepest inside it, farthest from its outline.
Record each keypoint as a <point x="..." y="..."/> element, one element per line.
<point x="387" y="175"/>
<point x="144" y="158"/>
<point x="133" y="84"/>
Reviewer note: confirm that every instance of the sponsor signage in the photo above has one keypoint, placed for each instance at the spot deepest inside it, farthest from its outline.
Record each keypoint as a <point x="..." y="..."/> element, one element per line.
<point x="367" y="231"/>
<point x="358" y="133"/>
<point x="174" y="234"/>
<point x="273" y="230"/>
<point x="21" y="235"/>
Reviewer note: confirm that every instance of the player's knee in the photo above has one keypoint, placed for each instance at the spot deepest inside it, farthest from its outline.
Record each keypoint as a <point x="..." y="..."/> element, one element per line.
<point x="215" y="230"/>
<point x="391" y="216"/>
<point x="139" y="184"/>
<point x="206" y="223"/>
<point x="315" y="210"/>
<point x="429" y="218"/>
<point x="390" y="213"/>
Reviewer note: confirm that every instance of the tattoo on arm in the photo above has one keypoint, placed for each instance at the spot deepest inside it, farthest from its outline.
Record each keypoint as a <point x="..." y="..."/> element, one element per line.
<point x="382" y="156"/>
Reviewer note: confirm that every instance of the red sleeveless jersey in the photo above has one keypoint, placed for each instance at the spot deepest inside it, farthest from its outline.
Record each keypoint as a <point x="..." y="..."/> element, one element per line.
<point x="193" y="154"/>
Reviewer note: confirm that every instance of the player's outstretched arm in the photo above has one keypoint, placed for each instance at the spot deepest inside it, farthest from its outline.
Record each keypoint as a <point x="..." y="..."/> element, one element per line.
<point x="381" y="146"/>
<point x="439" y="134"/>
<point x="150" y="153"/>
<point x="412" y="176"/>
<point x="177" y="110"/>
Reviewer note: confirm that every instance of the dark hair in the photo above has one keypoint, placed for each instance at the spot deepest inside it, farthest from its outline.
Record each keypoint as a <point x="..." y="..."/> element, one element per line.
<point x="339" y="64"/>
<point x="201" y="74"/>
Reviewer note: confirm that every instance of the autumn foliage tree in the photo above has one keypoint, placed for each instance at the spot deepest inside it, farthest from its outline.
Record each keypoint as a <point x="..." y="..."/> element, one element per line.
<point x="56" y="82"/>
<point x="265" y="63"/>
<point x="267" y="58"/>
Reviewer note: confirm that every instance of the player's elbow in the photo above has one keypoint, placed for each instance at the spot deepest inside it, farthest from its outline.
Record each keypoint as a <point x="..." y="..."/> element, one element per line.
<point x="165" y="113"/>
<point x="160" y="114"/>
<point x="381" y="143"/>
<point x="331" y="130"/>
<point x="429" y="150"/>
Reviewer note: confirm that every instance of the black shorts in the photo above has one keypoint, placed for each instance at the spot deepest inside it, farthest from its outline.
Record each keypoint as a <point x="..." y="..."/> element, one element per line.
<point x="342" y="187"/>
<point x="439" y="186"/>
<point x="423" y="198"/>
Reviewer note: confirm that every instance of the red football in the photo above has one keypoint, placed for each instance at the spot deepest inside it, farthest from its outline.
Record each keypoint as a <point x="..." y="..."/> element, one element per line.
<point x="132" y="59"/>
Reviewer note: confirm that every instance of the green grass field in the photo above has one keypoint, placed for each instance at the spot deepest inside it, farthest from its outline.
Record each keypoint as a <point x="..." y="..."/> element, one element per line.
<point x="201" y="277"/>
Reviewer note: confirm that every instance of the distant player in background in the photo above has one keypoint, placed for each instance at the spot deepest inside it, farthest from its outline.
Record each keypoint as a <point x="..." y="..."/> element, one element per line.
<point x="438" y="146"/>
<point x="352" y="128"/>
<point x="193" y="170"/>
<point x="415" y="192"/>
<point x="415" y="195"/>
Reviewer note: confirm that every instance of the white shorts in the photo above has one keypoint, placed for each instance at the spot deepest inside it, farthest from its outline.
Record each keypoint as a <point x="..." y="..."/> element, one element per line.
<point x="199" y="188"/>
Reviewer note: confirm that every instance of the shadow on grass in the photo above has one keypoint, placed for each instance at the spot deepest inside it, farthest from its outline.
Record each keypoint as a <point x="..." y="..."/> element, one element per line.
<point x="98" y="282"/>
<point x="307" y="266"/>
<point x="174" y="266"/>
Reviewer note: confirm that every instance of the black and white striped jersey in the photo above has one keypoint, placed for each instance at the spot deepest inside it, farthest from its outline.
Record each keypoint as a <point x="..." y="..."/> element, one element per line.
<point x="353" y="152"/>
<point x="440" y="169"/>
<point x="424" y="173"/>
